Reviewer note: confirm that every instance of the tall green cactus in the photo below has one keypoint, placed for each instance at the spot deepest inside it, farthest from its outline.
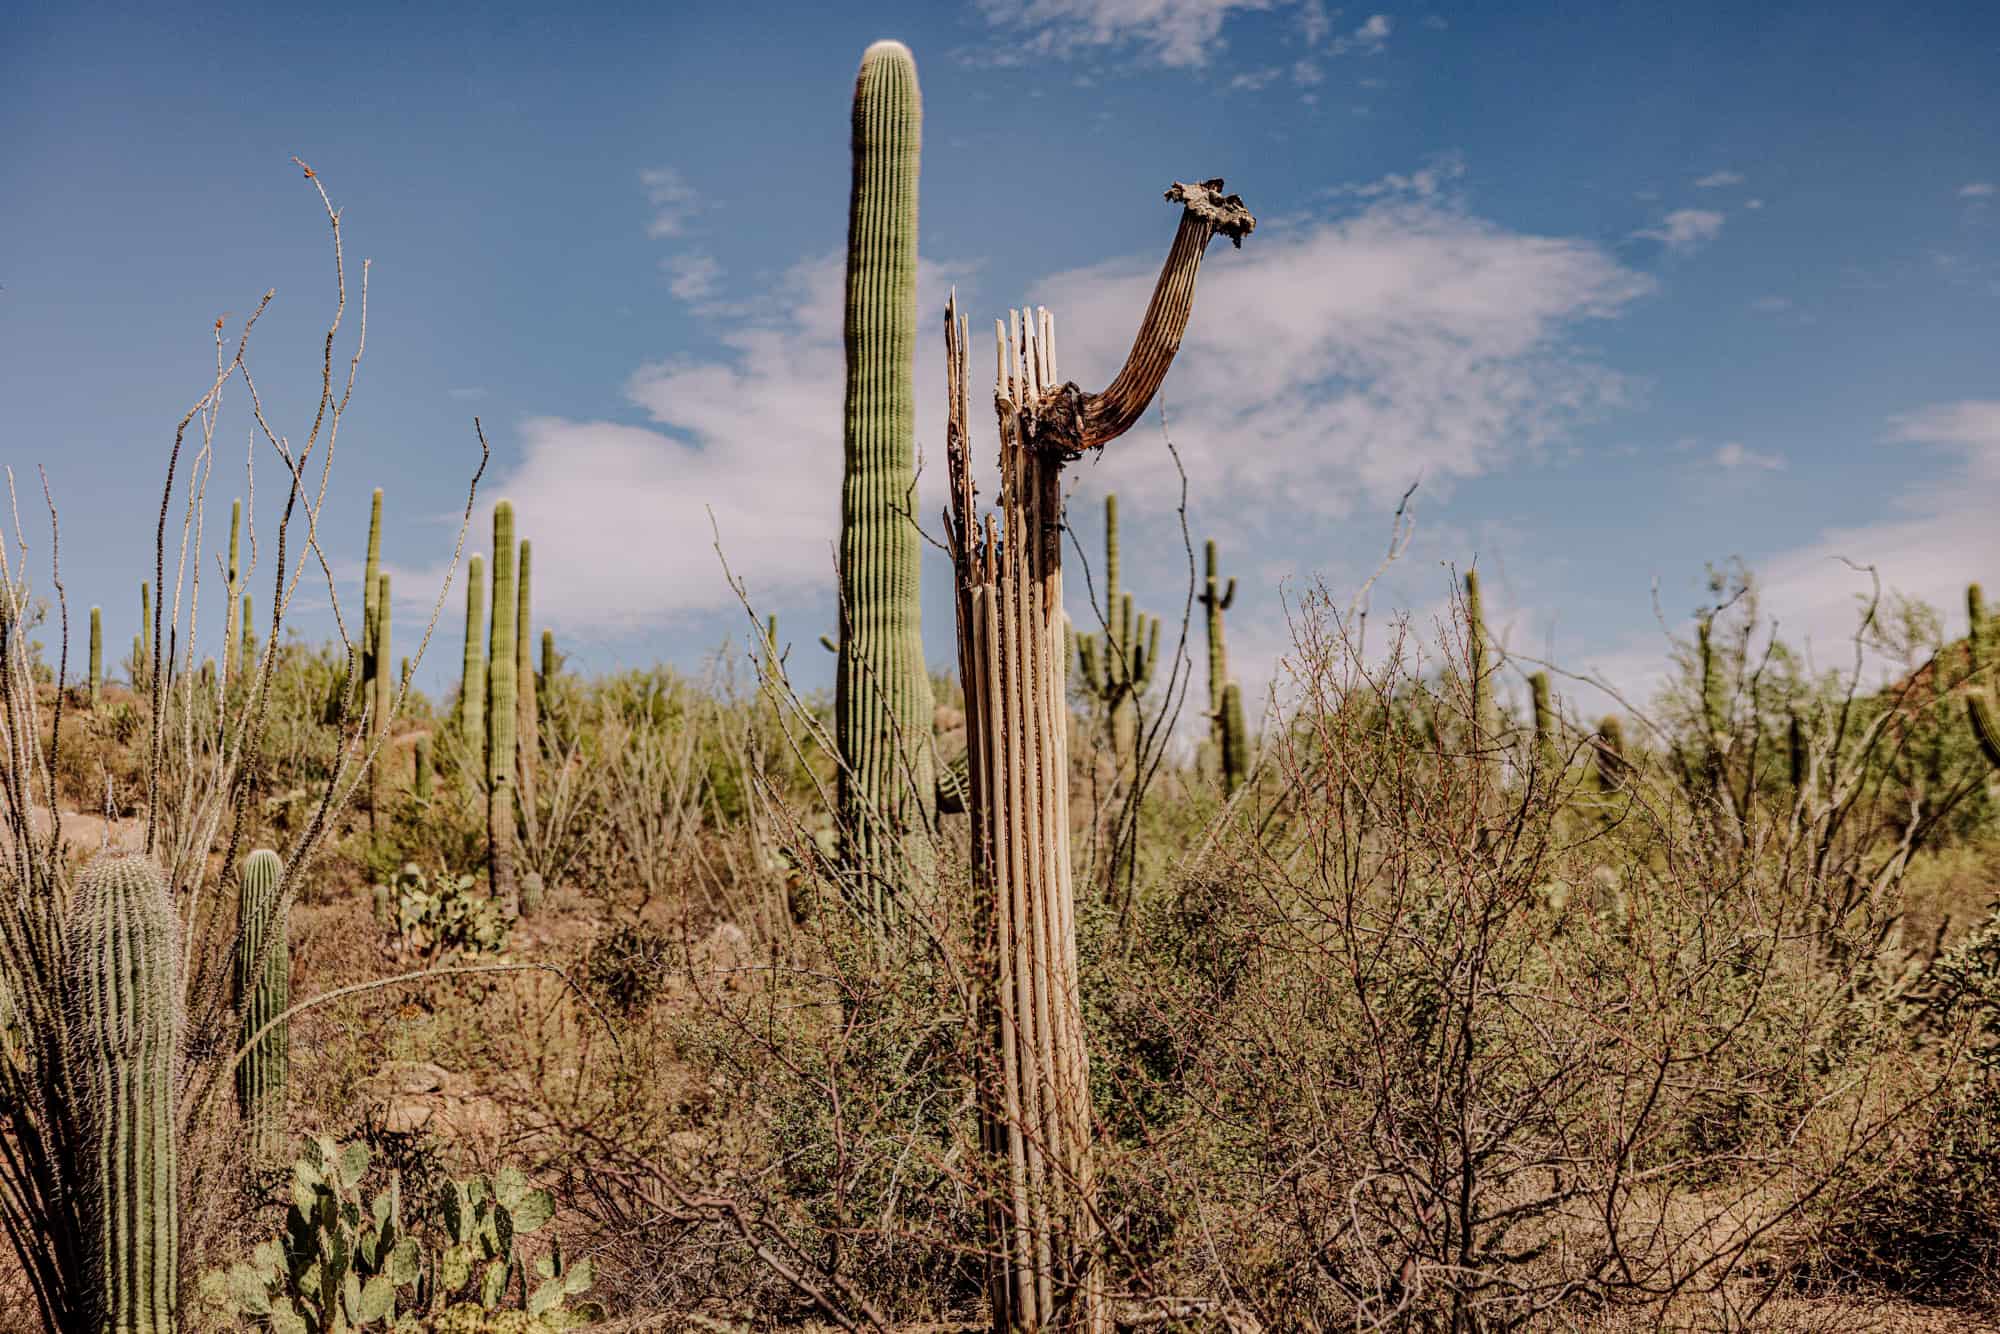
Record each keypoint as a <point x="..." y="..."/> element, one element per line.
<point x="502" y="716"/>
<point x="1117" y="666"/>
<point x="384" y="701"/>
<point x="1545" y="721"/>
<point x="1216" y="600"/>
<point x="545" y="682"/>
<point x="1482" y="662"/>
<point x="263" y="992"/>
<point x="528" y="727"/>
<point x="1979" y="698"/>
<point x="122" y="1043"/>
<point x="369" y="594"/>
<point x="472" y="680"/>
<point x="143" y="680"/>
<point x="1235" y="740"/>
<point x="96" y="658"/>
<point x="249" y="659"/>
<point x="423" y="781"/>
<point x="882" y="692"/>
<point x="233" y="588"/>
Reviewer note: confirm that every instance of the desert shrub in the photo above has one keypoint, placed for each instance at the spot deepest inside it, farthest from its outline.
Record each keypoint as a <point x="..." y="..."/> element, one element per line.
<point x="630" y="966"/>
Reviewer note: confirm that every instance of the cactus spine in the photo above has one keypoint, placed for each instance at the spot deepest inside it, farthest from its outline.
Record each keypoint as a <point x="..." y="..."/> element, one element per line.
<point x="1235" y="740"/>
<point x="529" y="740"/>
<point x="96" y="658"/>
<point x="1118" y="665"/>
<point x="502" y="715"/>
<point x="1215" y="601"/>
<point x="234" y="588"/>
<point x="263" y="992"/>
<point x="472" y="680"/>
<point x="385" y="700"/>
<point x="882" y="692"/>
<point x="1978" y="699"/>
<point x="122" y="951"/>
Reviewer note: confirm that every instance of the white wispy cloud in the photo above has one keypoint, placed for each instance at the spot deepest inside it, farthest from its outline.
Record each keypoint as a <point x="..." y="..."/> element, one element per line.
<point x="1685" y="229"/>
<point x="1176" y="33"/>
<point x="673" y="200"/>
<point x="1256" y="80"/>
<point x="693" y="276"/>
<point x="1978" y="190"/>
<point x="1733" y="455"/>
<point x="1374" y="32"/>
<point x="1717" y="179"/>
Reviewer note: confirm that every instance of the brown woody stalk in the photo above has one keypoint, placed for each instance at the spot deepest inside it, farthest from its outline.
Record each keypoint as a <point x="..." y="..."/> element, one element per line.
<point x="1035" y="1113"/>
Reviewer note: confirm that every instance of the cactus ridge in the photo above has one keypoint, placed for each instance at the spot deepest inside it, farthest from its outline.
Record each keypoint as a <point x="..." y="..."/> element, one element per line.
<point x="122" y="1039"/>
<point x="882" y="691"/>
<point x="263" y="992"/>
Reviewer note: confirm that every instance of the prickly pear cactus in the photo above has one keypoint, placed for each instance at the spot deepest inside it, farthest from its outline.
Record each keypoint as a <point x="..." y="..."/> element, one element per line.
<point x="122" y="955"/>
<point x="263" y="992"/>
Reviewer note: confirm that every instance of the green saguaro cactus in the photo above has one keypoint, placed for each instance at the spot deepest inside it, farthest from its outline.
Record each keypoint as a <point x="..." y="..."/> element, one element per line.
<point x="1235" y="740"/>
<point x="143" y="678"/>
<point x="384" y="701"/>
<point x="423" y="781"/>
<point x="1545" y="721"/>
<point x="1117" y="666"/>
<point x="122" y="1042"/>
<point x="882" y="692"/>
<point x="472" y="678"/>
<point x="546" y="681"/>
<point x="233" y="588"/>
<point x="1215" y="600"/>
<point x="1979" y="697"/>
<point x="501" y="718"/>
<point x="96" y="658"/>
<point x="263" y="992"/>
<point x="249" y="661"/>
<point x="369" y="594"/>
<point x="1482" y="663"/>
<point x="528" y="726"/>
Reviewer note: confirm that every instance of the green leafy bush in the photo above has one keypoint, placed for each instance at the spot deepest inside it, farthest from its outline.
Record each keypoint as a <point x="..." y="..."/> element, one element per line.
<point x="439" y="915"/>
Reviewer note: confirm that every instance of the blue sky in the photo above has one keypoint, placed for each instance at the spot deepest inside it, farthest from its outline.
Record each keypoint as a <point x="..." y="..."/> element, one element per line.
<point x="1630" y="287"/>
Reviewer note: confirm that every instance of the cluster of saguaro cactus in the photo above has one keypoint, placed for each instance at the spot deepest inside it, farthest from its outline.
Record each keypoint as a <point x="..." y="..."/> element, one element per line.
<point x="263" y="992"/>
<point x="502" y="716"/>
<point x="1226" y="732"/>
<point x="1979" y="697"/>
<point x="1118" y="665"/>
<point x="121" y="945"/>
<point x="882" y="692"/>
<point x="1034" y="1080"/>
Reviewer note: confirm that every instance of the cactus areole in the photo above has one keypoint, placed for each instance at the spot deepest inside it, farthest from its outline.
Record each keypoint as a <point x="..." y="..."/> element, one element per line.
<point x="882" y="705"/>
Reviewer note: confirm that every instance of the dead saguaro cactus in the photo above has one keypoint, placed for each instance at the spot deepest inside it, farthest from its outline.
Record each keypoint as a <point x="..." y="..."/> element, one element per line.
<point x="1034" y="1087"/>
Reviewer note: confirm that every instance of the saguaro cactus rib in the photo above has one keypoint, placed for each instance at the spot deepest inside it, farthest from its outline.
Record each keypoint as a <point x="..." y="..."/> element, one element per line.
<point x="263" y="975"/>
<point x="882" y="692"/>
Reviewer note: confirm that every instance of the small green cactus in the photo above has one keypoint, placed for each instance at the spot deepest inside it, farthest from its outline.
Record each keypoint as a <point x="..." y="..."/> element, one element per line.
<point x="502" y="716"/>
<point x="1215" y="600"/>
<point x="1235" y="740"/>
<point x="121" y="945"/>
<point x="472" y="680"/>
<point x="96" y="658"/>
<point x="263" y="969"/>
<point x="423" y="781"/>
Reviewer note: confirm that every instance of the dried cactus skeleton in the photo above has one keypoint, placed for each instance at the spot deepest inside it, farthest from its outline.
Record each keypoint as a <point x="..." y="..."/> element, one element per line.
<point x="1013" y="658"/>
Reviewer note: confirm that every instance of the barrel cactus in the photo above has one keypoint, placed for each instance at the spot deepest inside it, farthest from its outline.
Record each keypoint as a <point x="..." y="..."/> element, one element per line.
<point x="122" y="956"/>
<point x="263" y="992"/>
<point x="882" y="692"/>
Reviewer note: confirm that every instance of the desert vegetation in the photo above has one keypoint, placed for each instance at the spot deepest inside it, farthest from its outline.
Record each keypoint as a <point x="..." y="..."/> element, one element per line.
<point x="1070" y="984"/>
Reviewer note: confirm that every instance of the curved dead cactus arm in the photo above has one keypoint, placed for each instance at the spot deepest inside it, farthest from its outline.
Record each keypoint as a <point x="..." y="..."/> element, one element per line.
<point x="1066" y="420"/>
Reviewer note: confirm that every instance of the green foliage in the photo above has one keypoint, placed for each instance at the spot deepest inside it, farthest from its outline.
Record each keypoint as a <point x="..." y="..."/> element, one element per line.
<point x="439" y="915"/>
<point x="263" y="975"/>
<point x="882" y="692"/>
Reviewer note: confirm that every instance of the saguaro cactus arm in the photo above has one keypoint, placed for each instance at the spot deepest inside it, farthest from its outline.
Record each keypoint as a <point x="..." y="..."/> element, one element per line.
<point x="1069" y="421"/>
